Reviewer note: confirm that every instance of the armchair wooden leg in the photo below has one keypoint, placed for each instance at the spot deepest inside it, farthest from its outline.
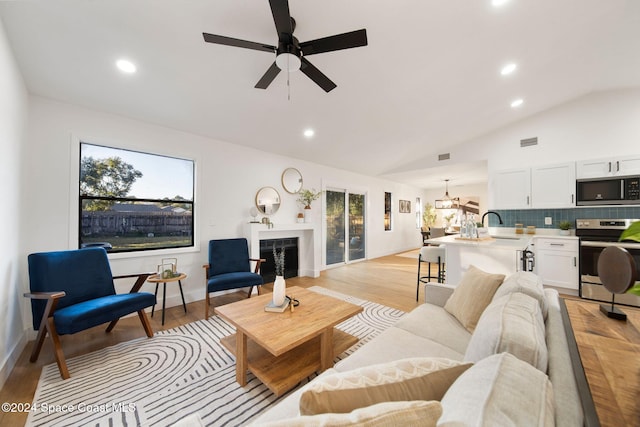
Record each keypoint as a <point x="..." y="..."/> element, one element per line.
<point x="112" y="325"/>
<point x="145" y="323"/>
<point x="250" y="290"/>
<point x="206" y="305"/>
<point x="37" y="346"/>
<point x="57" y="349"/>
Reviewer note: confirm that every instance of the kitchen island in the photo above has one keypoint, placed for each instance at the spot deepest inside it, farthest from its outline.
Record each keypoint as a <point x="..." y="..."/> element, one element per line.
<point x="493" y="254"/>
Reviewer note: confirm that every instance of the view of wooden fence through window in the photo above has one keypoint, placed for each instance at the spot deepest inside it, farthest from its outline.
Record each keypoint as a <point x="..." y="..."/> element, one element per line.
<point x="133" y="201"/>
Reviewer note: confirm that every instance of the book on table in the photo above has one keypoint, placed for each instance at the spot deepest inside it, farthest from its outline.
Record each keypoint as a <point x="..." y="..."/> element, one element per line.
<point x="271" y="307"/>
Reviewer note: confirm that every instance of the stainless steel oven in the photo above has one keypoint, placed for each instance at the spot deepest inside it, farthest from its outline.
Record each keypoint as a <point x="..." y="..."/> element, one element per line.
<point x="595" y="235"/>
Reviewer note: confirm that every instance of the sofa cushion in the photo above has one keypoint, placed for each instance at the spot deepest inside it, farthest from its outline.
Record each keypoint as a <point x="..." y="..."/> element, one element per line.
<point x="472" y="295"/>
<point x="394" y="344"/>
<point x="413" y="413"/>
<point x="526" y="283"/>
<point x="434" y="323"/>
<point x="406" y="379"/>
<point x="500" y="390"/>
<point x="511" y="324"/>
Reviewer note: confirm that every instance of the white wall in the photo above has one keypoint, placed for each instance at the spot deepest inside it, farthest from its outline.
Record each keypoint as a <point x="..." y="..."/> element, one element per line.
<point x="13" y="120"/>
<point x="602" y="124"/>
<point x="228" y="177"/>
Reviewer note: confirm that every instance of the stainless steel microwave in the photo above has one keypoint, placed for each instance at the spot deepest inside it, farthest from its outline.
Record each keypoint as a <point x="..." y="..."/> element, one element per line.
<point x="608" y="191"/>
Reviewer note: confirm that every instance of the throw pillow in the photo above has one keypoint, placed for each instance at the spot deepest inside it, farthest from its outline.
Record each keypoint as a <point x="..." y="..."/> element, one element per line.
<point x="500" y="390"/>
<point x="414" y="413"/>
<point x="472" y="295"/>
<point x="400" y="380"/>
<point x="512" y="324"/>
<point x="527" y="283"/>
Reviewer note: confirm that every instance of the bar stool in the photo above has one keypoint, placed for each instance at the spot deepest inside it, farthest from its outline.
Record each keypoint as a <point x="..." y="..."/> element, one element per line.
<point x="431" y="254"/>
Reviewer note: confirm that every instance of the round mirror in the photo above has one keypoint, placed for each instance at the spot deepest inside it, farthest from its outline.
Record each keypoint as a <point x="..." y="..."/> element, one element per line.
<point x="291" y="180"/>
<point x="268" y="200"/>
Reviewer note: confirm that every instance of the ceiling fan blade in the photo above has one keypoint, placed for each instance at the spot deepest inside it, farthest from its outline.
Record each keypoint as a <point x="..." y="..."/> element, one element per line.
<point x="268" y="77"/>
<point x="338" y="42"/>
<point x="316" y="75"/>
<point x="282" y="19"/>
<point x="230" y="41"/>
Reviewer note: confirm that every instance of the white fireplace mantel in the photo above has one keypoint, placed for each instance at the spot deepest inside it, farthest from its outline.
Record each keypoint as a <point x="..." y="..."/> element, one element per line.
<point x="309" y="244"/>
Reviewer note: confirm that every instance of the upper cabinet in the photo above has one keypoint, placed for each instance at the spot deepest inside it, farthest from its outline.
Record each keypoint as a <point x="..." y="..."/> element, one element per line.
<point x="553" y="186"/>
<point x="511" y="189"/>
<point x="614" y="166"/>
<point x="539" y="187"/>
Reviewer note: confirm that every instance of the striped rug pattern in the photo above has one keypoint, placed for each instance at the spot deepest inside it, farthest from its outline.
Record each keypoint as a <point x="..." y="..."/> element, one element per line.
<point x="158" y="381"/>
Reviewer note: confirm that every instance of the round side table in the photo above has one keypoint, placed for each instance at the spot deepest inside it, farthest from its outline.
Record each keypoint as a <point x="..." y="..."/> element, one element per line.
<point x="157" y="280"/>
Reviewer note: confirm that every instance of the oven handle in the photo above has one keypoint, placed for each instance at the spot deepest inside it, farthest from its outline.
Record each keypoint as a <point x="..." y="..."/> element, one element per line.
<point x="624" y="245"/>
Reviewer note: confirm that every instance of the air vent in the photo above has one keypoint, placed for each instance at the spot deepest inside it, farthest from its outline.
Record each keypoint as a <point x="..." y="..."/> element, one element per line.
<point x="445" y="156"/>
<point x="528" y="142"/>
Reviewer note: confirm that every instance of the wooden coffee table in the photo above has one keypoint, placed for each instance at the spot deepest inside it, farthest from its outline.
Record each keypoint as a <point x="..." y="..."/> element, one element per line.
<point x="281" y="349"/>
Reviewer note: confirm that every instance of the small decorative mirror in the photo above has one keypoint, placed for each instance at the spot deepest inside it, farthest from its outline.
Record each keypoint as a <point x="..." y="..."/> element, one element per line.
<point x="268" y="200"/>
<point x="292" y="180"/>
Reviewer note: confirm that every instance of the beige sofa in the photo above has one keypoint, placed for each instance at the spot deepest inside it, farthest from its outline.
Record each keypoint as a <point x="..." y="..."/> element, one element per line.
<point x="520" y="306"/>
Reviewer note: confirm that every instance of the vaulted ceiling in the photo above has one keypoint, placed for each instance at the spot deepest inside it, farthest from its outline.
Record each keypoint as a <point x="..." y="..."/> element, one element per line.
<point x="428" y="79"/>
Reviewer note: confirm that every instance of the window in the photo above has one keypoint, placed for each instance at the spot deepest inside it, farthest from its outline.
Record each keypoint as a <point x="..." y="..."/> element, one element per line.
<point x="132" y="201"/>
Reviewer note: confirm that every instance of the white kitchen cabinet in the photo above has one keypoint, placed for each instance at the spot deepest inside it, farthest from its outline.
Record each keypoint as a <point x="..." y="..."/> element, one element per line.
<point x="612" y="166"/>
<point x="553" y="186"/>
<point x="557" y="261"/>
<point x="511" y="189"/>
<point x="540" y="187"/>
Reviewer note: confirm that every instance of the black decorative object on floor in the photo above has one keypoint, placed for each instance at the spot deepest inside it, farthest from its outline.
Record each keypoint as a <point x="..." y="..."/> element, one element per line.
<point x="617" y="271"/>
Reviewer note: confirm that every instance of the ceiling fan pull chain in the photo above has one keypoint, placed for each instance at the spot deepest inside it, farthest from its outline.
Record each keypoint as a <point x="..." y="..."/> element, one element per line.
<point x="288" y="83"/>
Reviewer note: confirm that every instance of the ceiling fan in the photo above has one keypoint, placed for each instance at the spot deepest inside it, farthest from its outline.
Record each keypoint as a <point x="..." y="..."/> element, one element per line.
<point x="290" y="53"/>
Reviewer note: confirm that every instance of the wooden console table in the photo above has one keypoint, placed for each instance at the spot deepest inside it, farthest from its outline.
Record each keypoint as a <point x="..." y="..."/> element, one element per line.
<point x="608" y="351"/>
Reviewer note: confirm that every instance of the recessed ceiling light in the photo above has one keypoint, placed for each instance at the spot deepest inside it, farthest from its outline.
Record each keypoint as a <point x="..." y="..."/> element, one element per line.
<point x="508" y="69"/>
<point x="498" y="3"/>
<point x="516" y="103"/>
<point x="309" y="133"/>
<point x="126" y="66"/>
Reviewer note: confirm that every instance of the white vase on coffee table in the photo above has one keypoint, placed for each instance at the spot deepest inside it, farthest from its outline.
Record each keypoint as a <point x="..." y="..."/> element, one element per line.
<point x="279" y="291"/>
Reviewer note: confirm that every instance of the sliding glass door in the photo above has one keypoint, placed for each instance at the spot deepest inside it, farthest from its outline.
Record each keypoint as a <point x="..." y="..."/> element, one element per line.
<point x="345" y="226"/>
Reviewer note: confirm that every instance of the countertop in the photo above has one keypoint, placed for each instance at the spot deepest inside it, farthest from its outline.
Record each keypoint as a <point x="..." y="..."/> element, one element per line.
<point x="498" y="242"/>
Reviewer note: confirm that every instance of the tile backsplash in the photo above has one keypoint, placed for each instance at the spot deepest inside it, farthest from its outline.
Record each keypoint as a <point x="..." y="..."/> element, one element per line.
<point x="536" y="216"/>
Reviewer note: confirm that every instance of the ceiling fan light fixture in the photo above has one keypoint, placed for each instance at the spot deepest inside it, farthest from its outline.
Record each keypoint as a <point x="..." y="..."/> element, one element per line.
<point x="288" y="62"/>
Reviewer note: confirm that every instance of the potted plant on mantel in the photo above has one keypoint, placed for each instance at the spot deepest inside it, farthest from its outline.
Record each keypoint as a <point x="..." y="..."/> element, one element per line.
<point x="305" y="198"/>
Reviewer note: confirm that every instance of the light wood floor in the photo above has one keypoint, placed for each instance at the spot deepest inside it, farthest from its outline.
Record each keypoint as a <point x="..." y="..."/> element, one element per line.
<point x="388" y="280"/>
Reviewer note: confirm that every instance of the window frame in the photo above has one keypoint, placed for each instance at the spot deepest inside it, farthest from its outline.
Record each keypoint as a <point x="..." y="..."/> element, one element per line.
<point x="75" y="221"/>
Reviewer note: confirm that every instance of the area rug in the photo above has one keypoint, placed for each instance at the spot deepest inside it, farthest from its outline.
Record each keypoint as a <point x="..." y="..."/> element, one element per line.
<point x="181" y="371"/>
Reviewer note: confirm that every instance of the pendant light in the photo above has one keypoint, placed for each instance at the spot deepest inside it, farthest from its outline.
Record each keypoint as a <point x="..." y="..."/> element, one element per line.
<point x="446" y="200"/>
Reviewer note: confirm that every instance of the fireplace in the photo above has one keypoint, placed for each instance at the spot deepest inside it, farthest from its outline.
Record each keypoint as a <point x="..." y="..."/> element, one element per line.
<point x="309" y="244"/>
<point x="290" y="247"/>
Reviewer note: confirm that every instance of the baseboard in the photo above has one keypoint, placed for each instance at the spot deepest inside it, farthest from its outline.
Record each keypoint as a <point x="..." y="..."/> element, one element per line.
<point x="10" y="361"/>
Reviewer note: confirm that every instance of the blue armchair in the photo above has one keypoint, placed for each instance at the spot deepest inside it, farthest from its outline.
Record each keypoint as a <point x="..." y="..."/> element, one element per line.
<point x="73" y="290"/>
<point x="229" y="268"/>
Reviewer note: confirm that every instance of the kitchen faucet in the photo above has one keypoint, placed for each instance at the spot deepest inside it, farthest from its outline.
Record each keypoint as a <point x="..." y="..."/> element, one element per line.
<point x="491" y="212"/>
